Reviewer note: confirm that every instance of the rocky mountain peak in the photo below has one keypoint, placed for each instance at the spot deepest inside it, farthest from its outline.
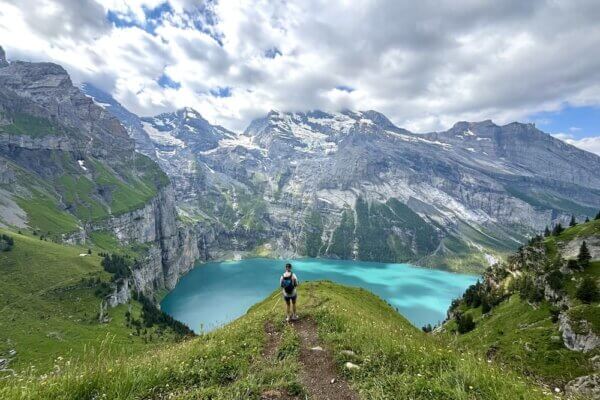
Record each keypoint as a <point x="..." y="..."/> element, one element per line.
<point x="35" y="77"/>
<point x="378" y="119"/>
<point x="465" y="125"/>
<point x="188" y="113"/>
<point x="3" y="62"/>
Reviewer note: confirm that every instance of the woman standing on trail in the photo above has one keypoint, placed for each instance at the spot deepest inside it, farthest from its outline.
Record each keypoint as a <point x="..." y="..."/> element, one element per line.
<point x="288" y="282"/>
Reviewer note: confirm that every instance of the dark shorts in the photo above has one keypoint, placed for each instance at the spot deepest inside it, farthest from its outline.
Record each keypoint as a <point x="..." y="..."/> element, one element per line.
<point x="290" y="298"/>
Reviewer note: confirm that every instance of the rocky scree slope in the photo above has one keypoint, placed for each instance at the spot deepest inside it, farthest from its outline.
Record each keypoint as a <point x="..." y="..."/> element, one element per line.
<point x="529" y="312"/>
<point x="353" y="185"/>
<point x="69" y="171"/>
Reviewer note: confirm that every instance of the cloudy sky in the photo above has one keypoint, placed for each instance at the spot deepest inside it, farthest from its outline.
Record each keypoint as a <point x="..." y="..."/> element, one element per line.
<point x="425" y="65"/>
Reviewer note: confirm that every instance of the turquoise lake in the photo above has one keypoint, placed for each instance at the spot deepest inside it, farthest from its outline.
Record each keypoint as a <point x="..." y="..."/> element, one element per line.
<point x="215" y="293"/>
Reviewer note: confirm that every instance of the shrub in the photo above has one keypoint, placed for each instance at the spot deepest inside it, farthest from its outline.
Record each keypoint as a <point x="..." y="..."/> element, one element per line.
<point x="555" y="280"/>
<point x="153" y="316"/>
<point x="472" y="295"/>
<point x="103" y="289"/>
<point x="573" y="264"/>
<point x="454" y="305"/>
<point x="554" y="313"/>
<point x="529" y="291"/>
<point x="588" y="291"/>
<point x="486" y="305"/>
<point x="6" y="243"/>
<point x="465" y="323"/>
<point x="117" y="265"/>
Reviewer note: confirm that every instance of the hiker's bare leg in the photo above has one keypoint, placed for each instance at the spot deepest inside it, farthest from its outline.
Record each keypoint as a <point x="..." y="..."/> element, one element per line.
<point x="287" y="312"/>
<point x="294" y="308"/>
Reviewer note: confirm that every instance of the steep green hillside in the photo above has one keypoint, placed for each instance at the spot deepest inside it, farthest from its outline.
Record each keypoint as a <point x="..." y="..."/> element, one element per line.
<point x="376" y="231"/>
<point x="517" y="308"/>
<point x="60" y="191"/>
<point x="395" y="360"/>
<point x="50" y="298"/>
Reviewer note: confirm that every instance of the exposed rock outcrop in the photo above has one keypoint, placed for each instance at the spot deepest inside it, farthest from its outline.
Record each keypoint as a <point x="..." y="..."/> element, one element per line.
<point x="3" y="62"/>
<point x="571" y="249"/>
<point x="120" y="294"/>
<point x="577" y="341"/>
<point x="585" y="386"/>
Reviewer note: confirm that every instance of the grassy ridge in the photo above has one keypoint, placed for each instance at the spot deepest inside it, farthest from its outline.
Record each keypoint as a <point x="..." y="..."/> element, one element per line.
<point x="48" y="305"/>
<point x="396" y="359"/>
<point x="523" y="336"/>
<point x="524" y="333"/>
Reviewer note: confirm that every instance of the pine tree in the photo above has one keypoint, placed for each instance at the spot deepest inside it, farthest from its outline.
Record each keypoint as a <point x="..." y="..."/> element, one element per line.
<point x="546" y="232"/>
<point x="558" y="228"/>
<point x="597" y="215"/>
<point x="587" y="219"/>
<point x="573" y="221"/>
<point x="584" y="256"/>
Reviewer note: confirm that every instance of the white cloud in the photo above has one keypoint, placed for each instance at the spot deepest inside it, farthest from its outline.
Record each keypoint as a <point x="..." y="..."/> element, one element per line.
<point x="425" y="65"/>
<point x="591" y="144"/>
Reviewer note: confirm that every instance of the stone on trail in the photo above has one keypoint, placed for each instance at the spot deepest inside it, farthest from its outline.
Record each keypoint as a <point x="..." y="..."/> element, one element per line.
<point x="350" y="365"/>
<point x="272" y="394"/>
<point x="316" y="348"/>
<point x="348" y="353"/>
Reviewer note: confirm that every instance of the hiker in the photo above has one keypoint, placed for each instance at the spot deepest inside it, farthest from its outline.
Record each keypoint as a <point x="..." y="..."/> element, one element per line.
<point x="288" y="282"/>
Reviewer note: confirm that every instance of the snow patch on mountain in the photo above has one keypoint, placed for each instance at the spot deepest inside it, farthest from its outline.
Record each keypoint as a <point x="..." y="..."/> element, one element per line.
<point x="162" y="138"/>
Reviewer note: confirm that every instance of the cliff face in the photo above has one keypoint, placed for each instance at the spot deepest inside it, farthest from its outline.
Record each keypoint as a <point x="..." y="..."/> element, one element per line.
<point x="68" y="170"/>
<point x="172" y="250"/>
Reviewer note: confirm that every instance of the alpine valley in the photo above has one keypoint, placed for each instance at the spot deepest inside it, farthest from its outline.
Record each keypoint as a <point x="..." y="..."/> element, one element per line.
<point x="102" y="211"/>
<point x="352" y="185"/>
<point x="78" y="166"/>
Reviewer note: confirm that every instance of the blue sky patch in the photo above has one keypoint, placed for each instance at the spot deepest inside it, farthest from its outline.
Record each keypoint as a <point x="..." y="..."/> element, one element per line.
<point x="579" y="122"/>
<point x="221" y="91"/>
<point x="272" y="52"/>
<point x="345" y="88"/>
<point x="204" y="19"/>
<point x="153" y="16"/>
<point x="166" y="82"/>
